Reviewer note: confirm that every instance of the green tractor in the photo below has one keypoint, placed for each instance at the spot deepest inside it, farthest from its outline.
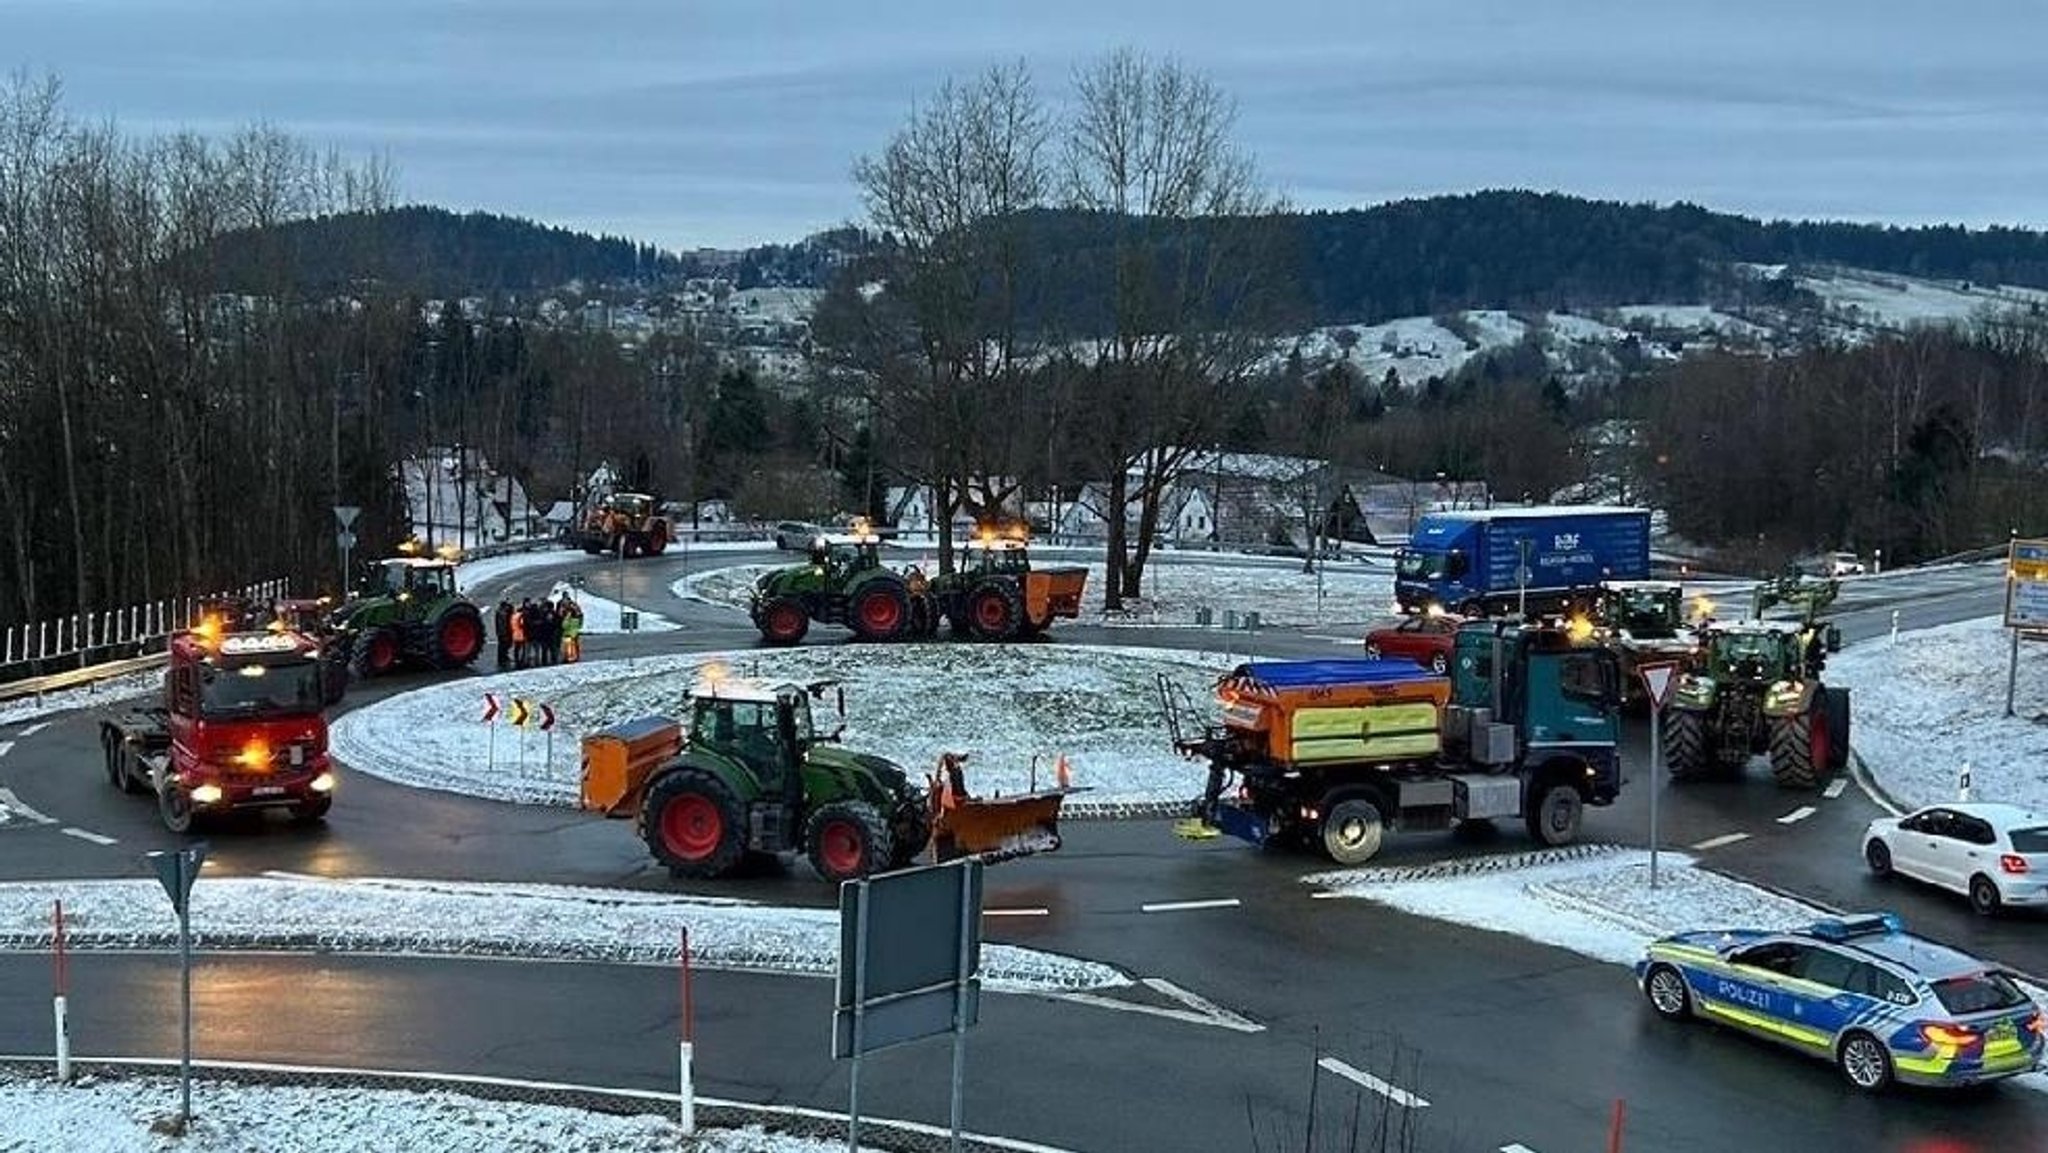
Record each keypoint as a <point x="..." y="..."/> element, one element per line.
<point x="1756" y="689"/>
<point x="1642" y="623"/>
<point x="409" y="612"/>
<point x="844" y="582"/>
<point x="996" y="595"/>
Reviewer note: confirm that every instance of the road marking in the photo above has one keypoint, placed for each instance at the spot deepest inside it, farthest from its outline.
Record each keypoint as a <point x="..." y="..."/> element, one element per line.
<point x="83" y="835"/>
<point x="13" y="804"/>
<point x="33" y="729"/>
<point x="1717" y="842"/>
<point x="1394" y="1093"/>
<point x="1222" y="1019"/>
<point x="1835" y="788"/>
<point x="1326" y="895"/>
<point x="1016" y="912"/>
<point x="1201" y="1004"/>
<point x="1183" y="906"/>
<point x="1332" y="640"/>
<point x="1517" y="1147"/>
<point x="5" y="746"/>
<point x="1797" y="815"/>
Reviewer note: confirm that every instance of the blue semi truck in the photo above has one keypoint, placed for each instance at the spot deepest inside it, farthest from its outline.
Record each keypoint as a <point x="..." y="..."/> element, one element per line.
<point x="1485" y="562"/>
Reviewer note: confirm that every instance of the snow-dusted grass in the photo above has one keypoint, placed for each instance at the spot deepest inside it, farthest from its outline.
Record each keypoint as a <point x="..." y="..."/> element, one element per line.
<point x="1003" y="704"/>
<point x="99" y="693"/>
<point x="1346" y="593"/>
<point x="474" y="919"/>
<point x="1934" y="701"/>
<point x="116" y="1116"/>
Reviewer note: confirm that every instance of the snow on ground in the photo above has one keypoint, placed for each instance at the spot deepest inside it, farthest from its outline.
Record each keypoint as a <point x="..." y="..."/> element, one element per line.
<point x="476" y="919"/>
<point x="600" y="614"/>
<point x="1347" y="593"/>
<point x="1699" y="318"/>
<point x="1004" y="704"/>
<point x="111" y="691"/>
<point x="116" y="1115"/>
<point x="1892" y="300"/>
<point x="1925" y="706"/>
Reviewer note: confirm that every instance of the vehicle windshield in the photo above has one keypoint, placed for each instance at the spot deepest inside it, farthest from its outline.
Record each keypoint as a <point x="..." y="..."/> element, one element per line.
<point x="1649" y="612"/>
<point x="1419" y="565"/>
<point x="1978" y="993"/>
<point x="2033" y="840"/>
<point x="632" y="504"/>
<point x="250" y="690"/>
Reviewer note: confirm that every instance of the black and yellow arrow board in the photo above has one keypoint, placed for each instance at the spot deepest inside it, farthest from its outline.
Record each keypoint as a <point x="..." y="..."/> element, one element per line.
<point x="520" y="712"/>
<point x="524" y="713"/>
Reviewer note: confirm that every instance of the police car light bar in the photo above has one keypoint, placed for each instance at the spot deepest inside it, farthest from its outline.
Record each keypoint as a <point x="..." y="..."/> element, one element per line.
<point x="1857" y="925"/>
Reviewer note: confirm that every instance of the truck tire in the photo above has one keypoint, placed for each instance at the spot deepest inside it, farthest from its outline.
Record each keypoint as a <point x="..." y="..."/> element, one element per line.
<point x="1836" y="705"/>
<point x="1686" y="755"/>
<point x="1352" y="831"/>
<point x="458" y="637"/>
<point x="1800" y="752"/>
<point x="880" y="611"/>
<point x="311" y="812"/>
<point x="117" y="765"/>
<point x="783" y="621"/>
<point x="175" y="807"/>
<point x="693" y="824"/>
<point x="374" y="653"/>
<point x="996" y="611"/>
<point x="846" y="840"/>
<point x="1554" y="819"/>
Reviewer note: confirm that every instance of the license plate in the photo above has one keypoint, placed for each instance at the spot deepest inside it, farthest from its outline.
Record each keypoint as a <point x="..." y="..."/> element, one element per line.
<point x="269" y="790"/>
<point x="2004" y="1031"/>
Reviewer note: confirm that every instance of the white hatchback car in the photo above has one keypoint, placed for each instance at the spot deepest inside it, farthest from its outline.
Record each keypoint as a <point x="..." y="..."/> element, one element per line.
<point x="1995" y="854"/>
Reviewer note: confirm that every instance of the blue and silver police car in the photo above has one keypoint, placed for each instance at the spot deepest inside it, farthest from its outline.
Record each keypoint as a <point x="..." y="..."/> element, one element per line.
<point x="1859" y="991"/>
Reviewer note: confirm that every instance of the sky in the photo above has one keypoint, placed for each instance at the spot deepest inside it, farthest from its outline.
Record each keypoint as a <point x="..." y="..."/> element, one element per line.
<point x="692" y="123"/>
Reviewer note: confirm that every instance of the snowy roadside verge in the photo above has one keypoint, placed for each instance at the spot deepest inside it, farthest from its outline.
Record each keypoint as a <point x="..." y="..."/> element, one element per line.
<point x="1598" y="904"/>
<point x="1935" y="700"/>
<point x="479" y="920"/>
<point x="1006" y="705"/>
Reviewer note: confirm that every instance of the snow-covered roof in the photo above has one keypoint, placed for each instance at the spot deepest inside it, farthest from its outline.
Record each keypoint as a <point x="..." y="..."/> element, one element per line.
<point x="741" y="689"/>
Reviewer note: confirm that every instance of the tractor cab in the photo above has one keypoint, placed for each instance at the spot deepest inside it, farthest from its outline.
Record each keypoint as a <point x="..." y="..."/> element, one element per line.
<point x="1641" y="610"/>
<point x="413" y="578"/>
<point x="1761" y="651"/>
<point x="990" y="553"/>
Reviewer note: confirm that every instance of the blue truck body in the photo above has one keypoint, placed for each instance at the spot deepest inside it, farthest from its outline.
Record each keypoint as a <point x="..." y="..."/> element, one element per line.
<point x="1470" y="561"/>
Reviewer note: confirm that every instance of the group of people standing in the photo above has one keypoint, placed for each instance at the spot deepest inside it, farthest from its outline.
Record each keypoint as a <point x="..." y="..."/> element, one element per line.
<point x="545" y="632"/>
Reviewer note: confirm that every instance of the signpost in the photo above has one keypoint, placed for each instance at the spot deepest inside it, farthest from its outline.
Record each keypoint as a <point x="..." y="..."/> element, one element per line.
<point x="1657" y="678"/>
<point x="177" y="871"/>
<point x="909" y="967"/>
<point x="2026" y="602"/>
<point x="345" y="538"/>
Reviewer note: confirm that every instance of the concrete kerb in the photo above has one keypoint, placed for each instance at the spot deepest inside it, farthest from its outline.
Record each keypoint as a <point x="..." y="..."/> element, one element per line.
<point x="1859" y="771"/>
<point x="895" y="1136"/>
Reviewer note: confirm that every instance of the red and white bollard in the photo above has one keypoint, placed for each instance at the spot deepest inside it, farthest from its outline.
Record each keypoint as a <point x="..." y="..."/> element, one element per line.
<point x="688" y="1119"/>
<point x="58" y="1003"/>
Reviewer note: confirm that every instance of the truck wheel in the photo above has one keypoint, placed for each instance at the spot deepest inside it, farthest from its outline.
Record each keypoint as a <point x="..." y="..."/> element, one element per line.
<point x="175" y="807"/>
<point x="1835" y="702"/>
<point x="1686" y="756"/>
<point x="995" y="612"/>
<point x="783" y="621"/>
<point x="375" y="653"/>
<point x="1353" y="832"/>
<point x="1800" y="749"/>
<point x="879" y="612"/>
<point x="311" y="812"/>
<point x="1554" y="819"/>
<point x="693" y="824"/>
<point x="117" y="768"/>
<point x="846" y="840"/>
<point x="458" y="637"/>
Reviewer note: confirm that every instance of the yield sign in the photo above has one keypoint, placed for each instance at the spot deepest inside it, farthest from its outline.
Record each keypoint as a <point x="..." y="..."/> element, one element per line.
<point x="519" y="713"/>
<point x="1657" y="678"/>
<point x="490" y="708"/>
<point x="547" y="717"/>
<point x="346" y="514"/>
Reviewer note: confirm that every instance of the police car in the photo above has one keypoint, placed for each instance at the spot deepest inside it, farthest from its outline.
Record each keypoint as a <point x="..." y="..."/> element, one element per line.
<point x="1859" y="991"/>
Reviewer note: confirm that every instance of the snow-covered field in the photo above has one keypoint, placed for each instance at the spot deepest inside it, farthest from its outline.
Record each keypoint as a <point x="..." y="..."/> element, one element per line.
<point x="1004" y="704"/>
<point x="116" y="1116"/>
<point x="1346" y="593"/>
<point x="477" y="919"/>
<point x="1924" y="707"/>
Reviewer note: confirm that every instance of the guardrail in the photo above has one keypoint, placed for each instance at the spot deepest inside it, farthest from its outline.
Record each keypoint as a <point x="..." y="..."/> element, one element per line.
<point x="83" y="639"/>
<point x="73" y="678"/>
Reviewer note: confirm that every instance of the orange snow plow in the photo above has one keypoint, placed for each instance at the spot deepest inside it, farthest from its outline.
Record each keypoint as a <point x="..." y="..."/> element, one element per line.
<point x="992" y="828"/>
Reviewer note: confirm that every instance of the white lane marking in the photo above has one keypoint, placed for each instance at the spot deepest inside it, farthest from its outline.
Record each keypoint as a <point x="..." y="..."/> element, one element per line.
<point x="1717" y="842"/>
<point x="1225" y="1020"/>
<point x="1394" y="1093"/>
<point x="1331" y="639"/>
<point x="5" y="746"/>
<point x="33" y="729"/>
<point x="1517" y="1147"/>
<point x="1200" y="1004"/>
<point x="13" y="804"/>
<point x="1016" y="912"/>
<point x="84" y="835"/>
<point x="1797" y="815"/>
<point x="1835" y="788"/>
<point x="1183" y="906"/>
<point x="1325" y="895"/>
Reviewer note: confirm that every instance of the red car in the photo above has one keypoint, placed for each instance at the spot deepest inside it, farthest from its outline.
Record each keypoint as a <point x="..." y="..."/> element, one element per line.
<point x="1426" y="640"/>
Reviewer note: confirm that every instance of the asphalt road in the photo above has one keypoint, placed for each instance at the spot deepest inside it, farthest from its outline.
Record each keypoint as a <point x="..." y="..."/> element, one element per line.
<point x="1508" y="1041"/>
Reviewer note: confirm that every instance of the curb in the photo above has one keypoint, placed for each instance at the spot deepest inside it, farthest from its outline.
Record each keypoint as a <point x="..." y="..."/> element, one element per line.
<point x="1859" y="771"/>
<point x="712" y="1113"/>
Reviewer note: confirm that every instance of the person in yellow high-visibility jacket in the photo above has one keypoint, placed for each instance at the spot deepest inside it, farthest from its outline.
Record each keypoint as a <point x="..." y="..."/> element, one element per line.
<point x="572" y="631"/>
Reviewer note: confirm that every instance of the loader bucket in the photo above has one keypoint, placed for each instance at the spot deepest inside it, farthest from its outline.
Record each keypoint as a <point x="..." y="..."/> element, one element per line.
<point x="998" y="828"/>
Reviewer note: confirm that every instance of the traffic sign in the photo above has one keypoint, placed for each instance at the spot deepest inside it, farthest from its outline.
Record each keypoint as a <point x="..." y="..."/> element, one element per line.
<point x="490" y="708"/>
<point x="2026" y="570"/>
<point x="519" y="713"/>
<point x="177" y="870"/>
<point x="345" y="515"/>
<point x="547" y="717"/>
<point x="1657" y="678"/>
<point x="345" y="539"/>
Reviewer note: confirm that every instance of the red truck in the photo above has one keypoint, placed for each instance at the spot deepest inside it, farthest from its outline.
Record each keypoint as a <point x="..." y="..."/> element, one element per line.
<point x="243" y="726"/>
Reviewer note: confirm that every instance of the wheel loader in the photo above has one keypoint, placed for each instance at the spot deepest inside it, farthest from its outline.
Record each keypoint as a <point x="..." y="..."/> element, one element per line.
<point x="623" y="524"/>
<point x="750" y="778"/>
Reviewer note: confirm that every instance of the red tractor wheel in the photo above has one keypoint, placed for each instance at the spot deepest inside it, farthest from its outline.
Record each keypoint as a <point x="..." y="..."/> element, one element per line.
<point x="459" y="637"/>
<point x="693" y="824"/>
<point x="784" y="622"/>
<point x="376" y="653"/>
<point x="847" y="840"/>
<point x="996" y="613"/>
<point x="691" y="827"/>
<point x="880" y="611"/>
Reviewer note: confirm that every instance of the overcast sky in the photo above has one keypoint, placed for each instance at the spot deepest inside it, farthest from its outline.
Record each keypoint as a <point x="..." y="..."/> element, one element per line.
<point x="710" y="122"/>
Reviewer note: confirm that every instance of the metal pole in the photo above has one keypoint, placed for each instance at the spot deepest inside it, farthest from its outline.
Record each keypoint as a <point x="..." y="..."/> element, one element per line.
<point x="2012" y="671"/>
<point x="860" y="996"/>
<point x="1656" y="759"/>
<point x="185" y="991"/>
<point x="961" y="974"/>
<point x="61" y="1005"/>
<point x="1522" y="578"/>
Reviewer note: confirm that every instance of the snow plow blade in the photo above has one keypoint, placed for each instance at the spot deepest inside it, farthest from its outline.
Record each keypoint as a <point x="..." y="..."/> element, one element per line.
<point x="998" y="828"/>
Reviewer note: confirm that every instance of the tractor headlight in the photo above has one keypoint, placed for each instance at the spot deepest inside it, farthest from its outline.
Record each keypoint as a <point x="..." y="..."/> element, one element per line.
<point x="1695" y="691"/>
<point x="206" y="795"/>
<point x="1783" y="696"/>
